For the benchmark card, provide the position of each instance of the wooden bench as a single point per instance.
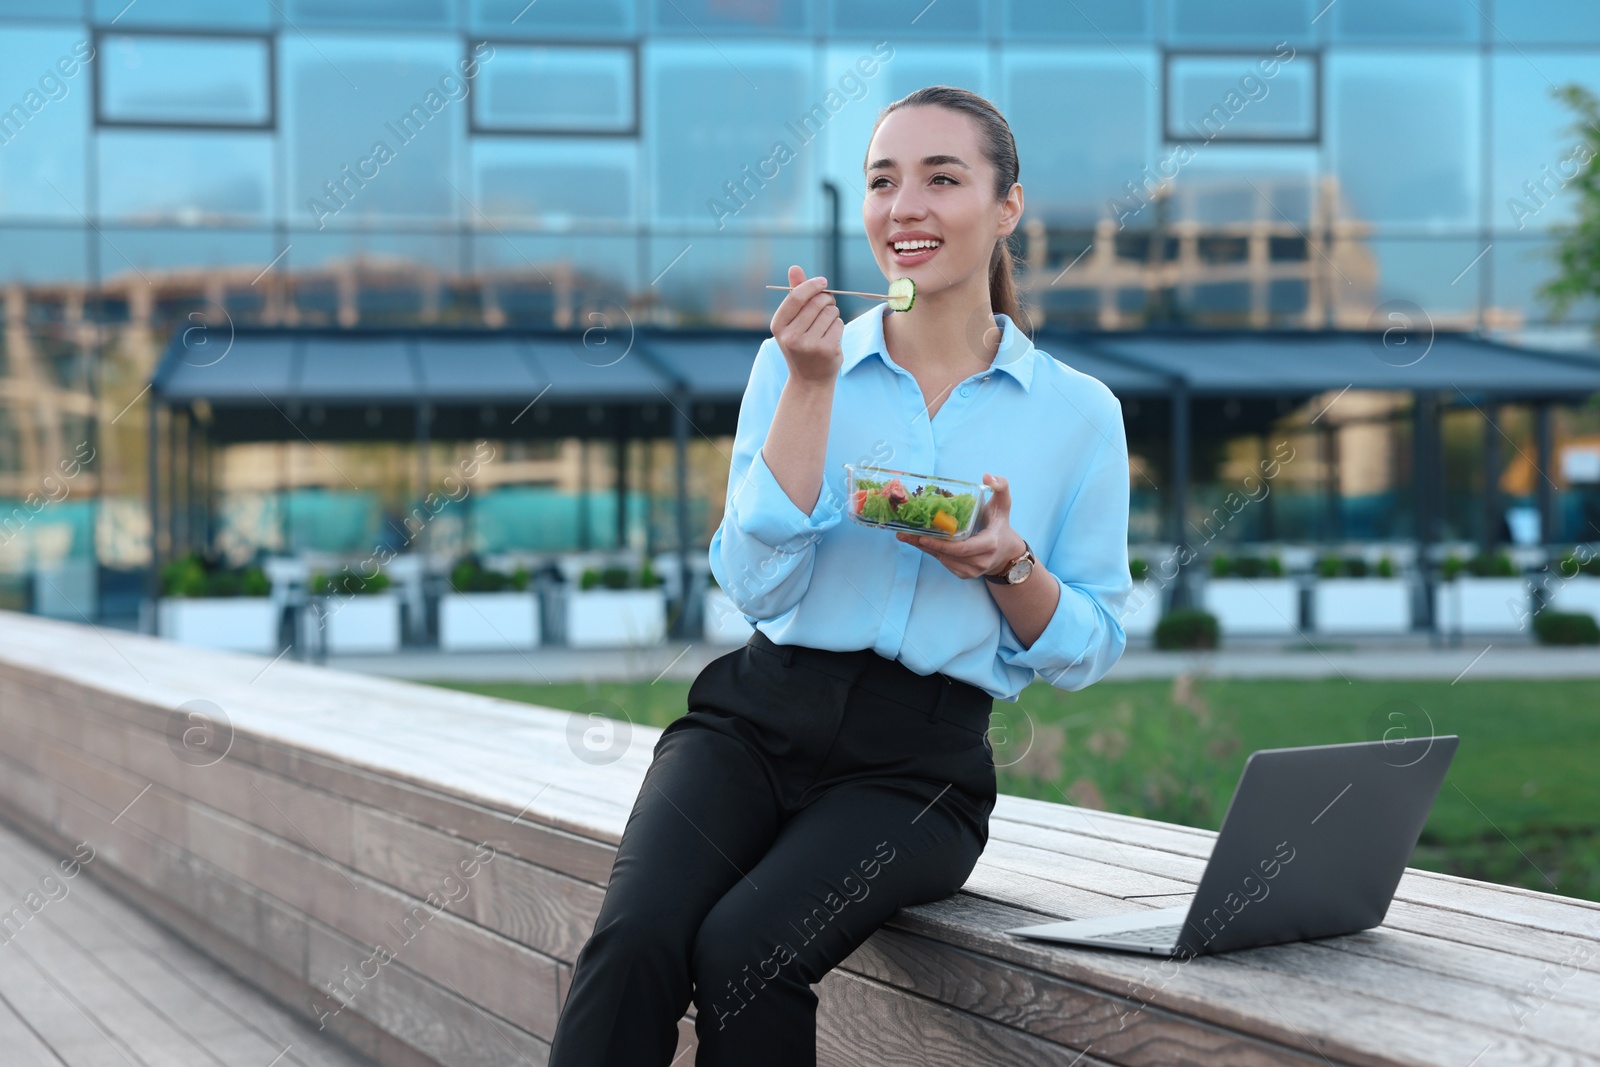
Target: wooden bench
(343, 801)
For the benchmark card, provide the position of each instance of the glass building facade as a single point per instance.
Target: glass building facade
(1290, 163)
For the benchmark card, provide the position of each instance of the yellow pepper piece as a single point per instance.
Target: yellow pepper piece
(943, 520)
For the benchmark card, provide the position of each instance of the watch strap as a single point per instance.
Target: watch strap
(1002, 578)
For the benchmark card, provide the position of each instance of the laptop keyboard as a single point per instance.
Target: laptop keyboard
(1154, 935)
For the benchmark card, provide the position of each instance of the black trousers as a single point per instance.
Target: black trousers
(804, 797)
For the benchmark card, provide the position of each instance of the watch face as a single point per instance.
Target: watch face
(1021, 570)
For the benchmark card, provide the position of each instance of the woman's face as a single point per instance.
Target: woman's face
(928, 183)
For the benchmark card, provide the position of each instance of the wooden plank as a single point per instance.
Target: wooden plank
(861, 1021)
(1120, 1028)
(184, 984)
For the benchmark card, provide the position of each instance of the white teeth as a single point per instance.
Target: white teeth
(911, 246)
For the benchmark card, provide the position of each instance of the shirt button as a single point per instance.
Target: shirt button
(966, 390)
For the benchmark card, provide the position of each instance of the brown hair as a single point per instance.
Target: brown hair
(1000, 149)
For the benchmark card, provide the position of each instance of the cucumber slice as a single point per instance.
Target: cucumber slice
(902, 294)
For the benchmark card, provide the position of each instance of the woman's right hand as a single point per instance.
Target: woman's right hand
(807, 328)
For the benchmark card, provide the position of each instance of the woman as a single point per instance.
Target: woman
(838, 767)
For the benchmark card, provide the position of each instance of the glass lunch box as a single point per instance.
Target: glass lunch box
(946, 508)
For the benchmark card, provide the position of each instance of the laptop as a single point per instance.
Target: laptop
(1313, 844)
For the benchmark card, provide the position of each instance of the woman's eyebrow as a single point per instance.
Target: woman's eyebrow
(927, 161)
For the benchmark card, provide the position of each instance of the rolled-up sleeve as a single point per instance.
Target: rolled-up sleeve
(1089, 556)
(763, 550)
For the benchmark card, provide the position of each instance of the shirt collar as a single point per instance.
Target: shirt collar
(1015, 356)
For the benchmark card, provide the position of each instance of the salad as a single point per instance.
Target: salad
(931, 508)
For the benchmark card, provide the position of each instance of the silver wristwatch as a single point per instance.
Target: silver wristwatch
(1017, 570)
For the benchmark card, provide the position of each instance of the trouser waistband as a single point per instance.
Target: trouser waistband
(940, 696)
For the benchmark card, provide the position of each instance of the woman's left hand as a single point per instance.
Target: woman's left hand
(994, 545)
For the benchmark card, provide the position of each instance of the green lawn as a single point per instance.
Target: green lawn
(1520, 806)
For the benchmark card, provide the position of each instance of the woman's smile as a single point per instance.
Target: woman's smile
(909, 248)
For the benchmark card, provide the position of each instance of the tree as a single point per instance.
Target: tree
(1578, 253)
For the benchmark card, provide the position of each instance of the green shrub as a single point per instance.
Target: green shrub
(1566, 628)
(1139, 569)
(1498, 565)
(193, 576)
(1355, 567)
(469, 575)
(1572, 565)
(1385, 567)
(1187, 628)
(1247, 567)
(619, 577)
(347, 583)
(1329, 567)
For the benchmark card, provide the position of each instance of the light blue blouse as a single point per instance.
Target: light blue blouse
(825, 581)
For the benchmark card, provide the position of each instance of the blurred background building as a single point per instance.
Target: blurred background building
(173, 168)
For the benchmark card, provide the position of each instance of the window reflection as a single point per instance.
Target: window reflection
(181, 13)
(1255, 21)
(505, 18)
(146, 78)
(191, 178)
(1089, 20)
(554, 182)
(730, 16)
(1272, 96)
(1534, 151)
(374, 128)
(537, 89)
(44, 122)
(1413, 164)
(755, 160)
(892, 17)
(1084, 124)
(1405, 20)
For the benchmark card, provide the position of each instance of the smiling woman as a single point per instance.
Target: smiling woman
(855, 721)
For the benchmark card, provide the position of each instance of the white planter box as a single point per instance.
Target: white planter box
(1143, 609)
(609, 618)
(236, 623)
(488, 621)
(1254, 605)
(364, 622)
(725, 624)
(1481, 605)
(1580, 593)
(1361, 605)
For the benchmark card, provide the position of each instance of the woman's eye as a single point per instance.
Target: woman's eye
(946, 177)
(873, 184)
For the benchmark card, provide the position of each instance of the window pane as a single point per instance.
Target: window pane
(362, 13)
(374, 129)
(723, 276)
(1440, 277)
(944, 18)
(44, 91)
(1258, 21)
(596, 271)
(724, 164)
(49, 9)
(1405, 20)
(190, 178)
(1076, 158)
(730, 16)
(530, 88)
(1546, 21)
(43, 254)
(1520, 268)
(1405, 137)
(860, 74)
(1242, 97)
(184, 13)
(1092, 20)
(1535, 151)
(555, 183)
(155, 251)
(220, 80)
(508, 18)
